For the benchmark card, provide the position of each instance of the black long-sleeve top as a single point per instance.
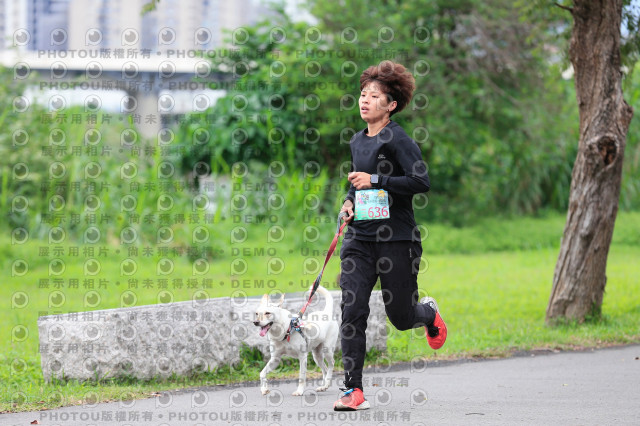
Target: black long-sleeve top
(396, 159)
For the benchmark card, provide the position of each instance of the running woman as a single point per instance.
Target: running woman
(383, 239)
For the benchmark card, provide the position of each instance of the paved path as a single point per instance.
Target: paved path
(599, 387)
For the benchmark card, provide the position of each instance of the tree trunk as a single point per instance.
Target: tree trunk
(580, 275)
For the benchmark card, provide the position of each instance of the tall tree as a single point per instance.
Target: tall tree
(580, 275)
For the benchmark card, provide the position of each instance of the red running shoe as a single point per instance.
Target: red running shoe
(436, 333)
(351, 400)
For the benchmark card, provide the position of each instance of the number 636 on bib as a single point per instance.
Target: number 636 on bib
(371, 204)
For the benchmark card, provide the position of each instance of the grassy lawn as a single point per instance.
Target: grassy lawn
(495, 303)
(492, 282)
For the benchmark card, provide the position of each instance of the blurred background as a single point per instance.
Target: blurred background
(251, 83)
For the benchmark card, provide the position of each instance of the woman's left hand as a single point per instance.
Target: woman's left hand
(360, 180)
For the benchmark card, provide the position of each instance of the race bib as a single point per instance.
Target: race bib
(372, 204)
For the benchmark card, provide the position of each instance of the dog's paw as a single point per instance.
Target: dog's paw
(322, 388)
(297, 393)
(264, 391)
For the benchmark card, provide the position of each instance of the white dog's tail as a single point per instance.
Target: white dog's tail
(328, 299)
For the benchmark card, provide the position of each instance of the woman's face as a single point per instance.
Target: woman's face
(374, 104)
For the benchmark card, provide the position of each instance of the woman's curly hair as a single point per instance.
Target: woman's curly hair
(394, 80)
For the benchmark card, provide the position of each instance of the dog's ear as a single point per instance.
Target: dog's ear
(265, 300)
(281, 301)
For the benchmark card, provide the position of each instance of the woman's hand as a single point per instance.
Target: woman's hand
(348, 208)
(360, 180)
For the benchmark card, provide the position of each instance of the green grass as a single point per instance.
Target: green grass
(495, 303)
(492, 281)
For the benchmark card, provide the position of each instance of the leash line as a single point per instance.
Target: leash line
(295, 321)
(332, 248)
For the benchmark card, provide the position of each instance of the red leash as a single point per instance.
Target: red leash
(295, 321)
(332, 248)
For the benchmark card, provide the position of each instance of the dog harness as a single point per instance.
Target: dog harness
(294, 325)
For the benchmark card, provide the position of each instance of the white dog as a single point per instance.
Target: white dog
(318, 333)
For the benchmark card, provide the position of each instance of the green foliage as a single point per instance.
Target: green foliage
(499, 129)
(283, 106)
(499, 140)
(630, 187)
(630, 43)
(150, 6)
(494, 120)
(68, 170)
(554, 25)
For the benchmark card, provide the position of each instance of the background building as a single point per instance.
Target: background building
(47, 23)
(13, 16)
(114, 24)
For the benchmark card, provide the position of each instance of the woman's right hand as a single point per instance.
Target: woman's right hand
(347, 208)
